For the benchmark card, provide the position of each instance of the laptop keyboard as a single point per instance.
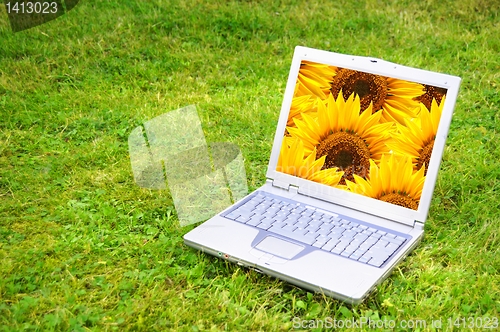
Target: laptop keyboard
(349, 238)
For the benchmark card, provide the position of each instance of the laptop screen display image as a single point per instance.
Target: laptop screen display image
(361, 132)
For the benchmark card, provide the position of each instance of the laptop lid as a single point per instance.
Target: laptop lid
(363, 133)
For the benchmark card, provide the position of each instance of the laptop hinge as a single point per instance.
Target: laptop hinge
(418, 225)
(280, 184)
(284, 185)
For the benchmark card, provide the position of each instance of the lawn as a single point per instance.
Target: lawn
(82, 247)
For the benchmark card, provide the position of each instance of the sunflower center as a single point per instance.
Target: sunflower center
(343, 159)
(425, 156)
(347, 152)
(362, 88)
(431, 92)
(370, 88)
(401, 200)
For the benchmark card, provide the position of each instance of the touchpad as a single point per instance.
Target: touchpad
(279, 247)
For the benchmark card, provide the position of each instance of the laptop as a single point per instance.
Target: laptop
(350, 178)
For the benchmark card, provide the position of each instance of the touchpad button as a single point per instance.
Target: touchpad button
(279, 247)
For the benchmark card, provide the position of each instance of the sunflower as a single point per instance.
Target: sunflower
(291, 161)
(431, 93)
(393, 181)
(302, 104)
(416, 138)
(314, 79)
(346, 138)
(395, 98)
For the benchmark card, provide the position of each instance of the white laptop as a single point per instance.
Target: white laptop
(350, 178)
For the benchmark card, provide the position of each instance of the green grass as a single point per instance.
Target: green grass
(83, 248)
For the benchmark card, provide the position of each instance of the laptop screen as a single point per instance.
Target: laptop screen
(368, 134)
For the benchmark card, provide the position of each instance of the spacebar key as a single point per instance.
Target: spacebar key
(292, 235)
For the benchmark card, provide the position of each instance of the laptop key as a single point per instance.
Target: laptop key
(304, 219)
(267, 200)
(337, 231)
(342, 245)
(316, 223)
(360, 237)
(382, 243)
(300, 230)
(269, 214)
(350, 249)
(318, 244)
(244, 209)
(294, 236)
(233, 215)
(357, 229)
(345, 239)
(389, 239)
(264, 226)
(349, 234)
(365, 246)
(376, 262)
(267, 220)
(323, 231)
(391, 248)
(398, 242)
(299, 209)
(279, 218)
(376, 248)
(326, 218)
(317, 215)
(310, 238)
(400, 238)
(308, 212)
(322, 239)
(312, 228)
(326, 227)
(381, 255)
(289, 228)
(279, 224)
(364, 259)
(371, 241)
(357, 254)
(259, 210)
(335, 236)
(336, 250)
(330, 245)
(243, 219)
(253, 222)
(280, 231)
